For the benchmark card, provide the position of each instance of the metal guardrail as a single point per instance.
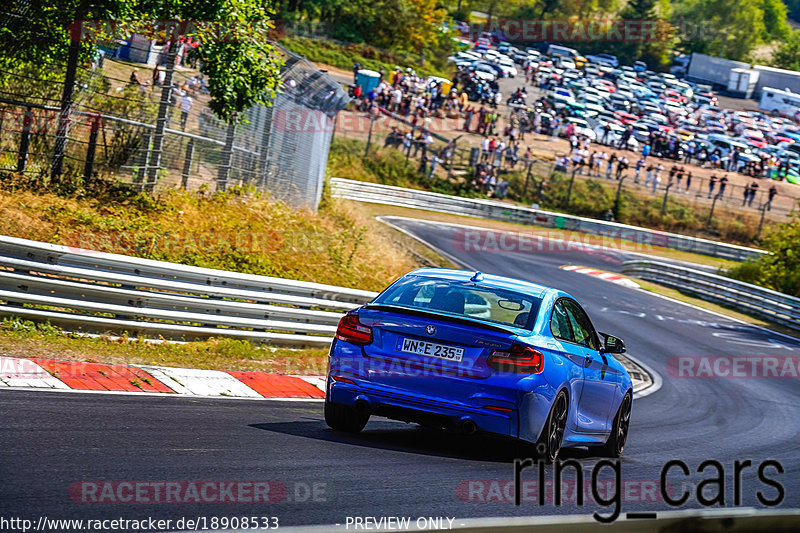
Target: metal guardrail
(496, 210)
(773, 305)
(99, 292)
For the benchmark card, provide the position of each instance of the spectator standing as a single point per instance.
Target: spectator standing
(577, 161)
(672, 173)
(746, 194)
(186, 106)
(602, 156)
(688, 181)
(689, 152)
(722, 184)
(468, 118)
(656, 180)
(772, 192)
(434, 161)
(622, 165)
(527, 159)
(711, 184)
(606, 130)
(610, 165)
(753, 191)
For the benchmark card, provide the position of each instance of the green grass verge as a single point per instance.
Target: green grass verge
(22, 338)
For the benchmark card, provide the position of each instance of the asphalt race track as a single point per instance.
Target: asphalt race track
(49, 441)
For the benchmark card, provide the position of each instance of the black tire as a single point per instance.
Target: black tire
(345, 418)
(549, 443)
(615, 444)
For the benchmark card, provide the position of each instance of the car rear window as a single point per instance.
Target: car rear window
(464, 299)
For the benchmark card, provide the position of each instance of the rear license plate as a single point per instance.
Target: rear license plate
(430, 349)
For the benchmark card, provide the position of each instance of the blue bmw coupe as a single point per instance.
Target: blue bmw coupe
(476, 352)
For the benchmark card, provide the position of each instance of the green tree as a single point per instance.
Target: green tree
(780, 269)
(776, 26)
(37, 32)
(243, 68)
(788, 53)
(729, 28)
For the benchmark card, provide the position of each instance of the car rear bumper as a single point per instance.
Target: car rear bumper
(406, 406)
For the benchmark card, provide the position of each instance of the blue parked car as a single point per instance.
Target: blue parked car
(476, 352)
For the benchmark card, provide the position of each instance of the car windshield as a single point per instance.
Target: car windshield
(465, 299)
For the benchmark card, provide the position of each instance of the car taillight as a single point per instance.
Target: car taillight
(518, 358)
(352, 331)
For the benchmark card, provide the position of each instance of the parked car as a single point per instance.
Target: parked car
(605, 59)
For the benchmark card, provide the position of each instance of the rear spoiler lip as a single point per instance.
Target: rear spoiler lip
(445, 318)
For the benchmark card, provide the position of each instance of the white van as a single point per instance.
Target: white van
(781, 102)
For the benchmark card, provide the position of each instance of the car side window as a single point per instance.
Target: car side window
(582, 328)
(559, 323)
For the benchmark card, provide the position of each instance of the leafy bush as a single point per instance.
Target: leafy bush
(780, 270)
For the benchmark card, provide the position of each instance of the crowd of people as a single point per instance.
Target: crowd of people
(415, 99)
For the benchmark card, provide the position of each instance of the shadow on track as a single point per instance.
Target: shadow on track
(392, 436)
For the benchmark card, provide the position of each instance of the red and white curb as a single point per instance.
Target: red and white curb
(48, 374)
(607, 276)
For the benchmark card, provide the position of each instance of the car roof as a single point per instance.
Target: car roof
(489, 280)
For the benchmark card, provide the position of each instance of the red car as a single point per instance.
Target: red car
(675, 96)
(625, 117)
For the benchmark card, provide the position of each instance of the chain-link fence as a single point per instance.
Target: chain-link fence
(280, 149)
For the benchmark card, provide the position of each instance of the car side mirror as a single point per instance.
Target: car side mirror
(612, 344)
